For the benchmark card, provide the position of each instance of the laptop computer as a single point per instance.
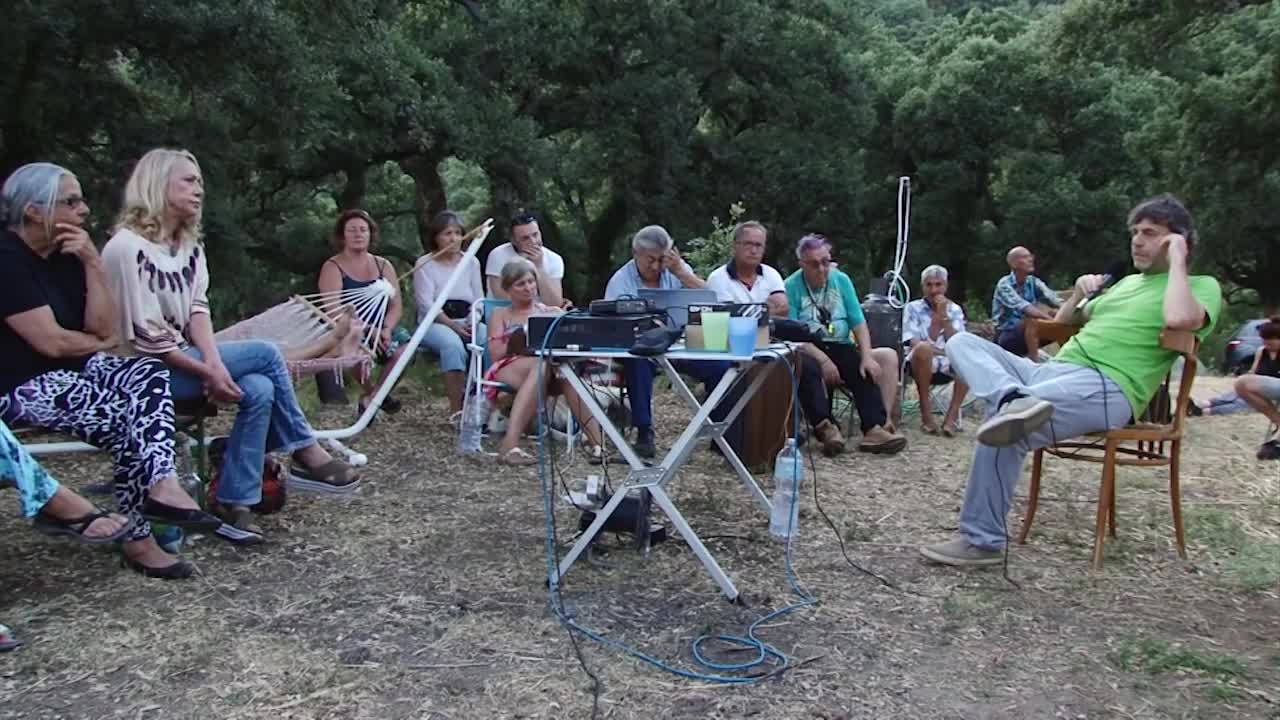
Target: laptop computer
(676, 302)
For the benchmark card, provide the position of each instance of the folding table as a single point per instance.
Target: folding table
(655, 478)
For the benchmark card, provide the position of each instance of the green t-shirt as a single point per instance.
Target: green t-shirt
(838, 298)
(1122, 336)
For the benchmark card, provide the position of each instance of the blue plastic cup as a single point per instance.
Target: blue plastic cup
(742, 336)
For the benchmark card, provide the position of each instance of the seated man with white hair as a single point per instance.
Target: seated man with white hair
(655, 263)
(927, 324)
(746, 279)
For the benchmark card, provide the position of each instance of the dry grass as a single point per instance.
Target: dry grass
(423, 597)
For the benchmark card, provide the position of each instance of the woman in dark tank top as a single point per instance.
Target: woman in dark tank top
(355, 267)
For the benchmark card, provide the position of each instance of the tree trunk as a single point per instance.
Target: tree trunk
(429, 195)
(603, 233)
(353, 190)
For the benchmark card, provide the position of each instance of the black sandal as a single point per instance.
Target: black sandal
(180, 570)
(196, 520)
(76, 527)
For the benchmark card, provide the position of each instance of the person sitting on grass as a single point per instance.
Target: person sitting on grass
(1260, 387)
(57, 317)
(1105, 375)
(1263, 379)
(156, 262)
(928, 323)
(507, 342)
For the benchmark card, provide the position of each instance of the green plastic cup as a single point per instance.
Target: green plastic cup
(715, 331)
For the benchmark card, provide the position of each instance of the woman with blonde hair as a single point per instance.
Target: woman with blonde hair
(157, 266)
(507, 341)
(58, 318)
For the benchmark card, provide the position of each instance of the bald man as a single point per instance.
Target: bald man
(1017, 295)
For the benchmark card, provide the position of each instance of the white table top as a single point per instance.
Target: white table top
(676, 352)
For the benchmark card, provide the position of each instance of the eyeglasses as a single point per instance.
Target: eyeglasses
(816, 263)
(72, 202)
(752, 245)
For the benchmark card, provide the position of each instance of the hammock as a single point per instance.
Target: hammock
(303, 327)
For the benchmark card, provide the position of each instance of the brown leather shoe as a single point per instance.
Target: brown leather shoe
(829, 435)
(881, 441)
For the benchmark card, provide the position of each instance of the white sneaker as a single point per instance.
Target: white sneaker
(1015, 420)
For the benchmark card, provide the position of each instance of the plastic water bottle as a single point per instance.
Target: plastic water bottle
(787, 470)
(474, 416)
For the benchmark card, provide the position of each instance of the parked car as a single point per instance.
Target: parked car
(1237, 358)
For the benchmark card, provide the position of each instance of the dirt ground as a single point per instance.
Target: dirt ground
(423, 597)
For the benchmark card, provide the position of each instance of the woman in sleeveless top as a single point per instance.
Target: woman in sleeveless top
(520, 282)
(354, 267)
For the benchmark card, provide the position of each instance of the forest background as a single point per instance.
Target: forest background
(1034, 123)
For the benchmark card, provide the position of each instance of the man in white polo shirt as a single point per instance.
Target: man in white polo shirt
(746, 279)
(526, 241)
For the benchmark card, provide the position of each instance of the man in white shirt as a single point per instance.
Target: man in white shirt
(526, 241)
(927, 324)
(746, 279)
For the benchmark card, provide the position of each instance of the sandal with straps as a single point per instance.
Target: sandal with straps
(517, 457)
(76, 528)
(334, 477)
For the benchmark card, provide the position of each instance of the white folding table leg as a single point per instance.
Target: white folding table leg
(683, 446)
(748, 480)
(602, 516)
(691, 538)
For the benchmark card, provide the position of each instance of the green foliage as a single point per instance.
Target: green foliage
(705, 254)
(1157, 656)
(1019, 122)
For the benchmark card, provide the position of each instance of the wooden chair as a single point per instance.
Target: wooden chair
(1154, 441)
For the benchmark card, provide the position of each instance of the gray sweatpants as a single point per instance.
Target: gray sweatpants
(1083, 399)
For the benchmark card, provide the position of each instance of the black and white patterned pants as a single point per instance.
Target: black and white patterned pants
(122, 405)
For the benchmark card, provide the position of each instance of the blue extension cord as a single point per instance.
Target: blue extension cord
(763, 649)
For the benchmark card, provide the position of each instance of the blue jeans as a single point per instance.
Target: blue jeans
(639, 376)
(269, 419)
(448, 345)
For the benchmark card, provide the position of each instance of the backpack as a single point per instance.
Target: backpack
(274, 476)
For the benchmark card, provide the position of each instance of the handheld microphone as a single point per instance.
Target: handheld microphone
(1112, 275)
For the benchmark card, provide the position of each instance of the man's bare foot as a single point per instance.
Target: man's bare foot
(67, 505)
(169, 492)
(146, 552)
(351, 344)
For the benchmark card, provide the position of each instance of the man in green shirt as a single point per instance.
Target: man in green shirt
(1104, 376)
(823, 297)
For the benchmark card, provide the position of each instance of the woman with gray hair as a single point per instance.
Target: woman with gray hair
(59, 317)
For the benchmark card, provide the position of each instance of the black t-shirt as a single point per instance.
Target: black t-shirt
(28, 281)
(1269, 366)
